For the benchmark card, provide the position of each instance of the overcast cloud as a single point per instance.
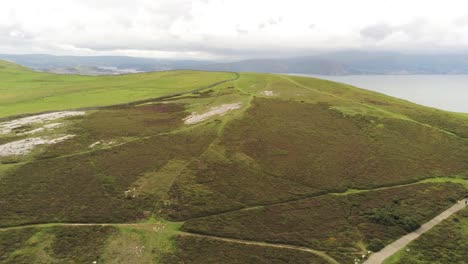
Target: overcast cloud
(230, 29)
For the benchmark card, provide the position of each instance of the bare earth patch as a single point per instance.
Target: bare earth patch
(25, 146)
(94, 144)
(40, 129)
(268, 93)
(8, 127)
(102, 143)
(218, 110)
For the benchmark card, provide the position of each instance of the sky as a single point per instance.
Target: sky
(230, 29)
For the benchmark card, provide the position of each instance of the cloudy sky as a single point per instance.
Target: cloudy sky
(230, 29)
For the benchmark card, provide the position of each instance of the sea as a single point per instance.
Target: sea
(447, 92)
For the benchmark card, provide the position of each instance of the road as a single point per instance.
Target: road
(399, 244)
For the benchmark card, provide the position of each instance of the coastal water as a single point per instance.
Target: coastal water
(448, 92)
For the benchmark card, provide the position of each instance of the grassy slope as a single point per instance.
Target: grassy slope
(276, 158)
(25, 91)
(54, 244)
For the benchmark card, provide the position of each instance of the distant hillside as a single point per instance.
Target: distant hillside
(337, 63)
(343, 63)
(398, 63)
(294, 65)
(58, 63)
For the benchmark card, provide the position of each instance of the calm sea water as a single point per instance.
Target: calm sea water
(448, 92)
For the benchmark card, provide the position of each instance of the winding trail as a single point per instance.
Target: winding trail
(315, 195)
(402, 242)
(44, 225)
(265, 244)
(318, 253)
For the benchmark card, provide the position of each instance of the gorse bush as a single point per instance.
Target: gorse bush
(409, 224)
(385, 216)
(375, 245)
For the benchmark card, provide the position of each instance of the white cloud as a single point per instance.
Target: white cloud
(229, 28)
(377, 32)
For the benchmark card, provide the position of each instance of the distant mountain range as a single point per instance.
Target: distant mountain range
(337, 63)
(98, 65)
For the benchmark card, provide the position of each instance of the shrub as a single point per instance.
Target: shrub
(408, 223)
(385, 216)
(375, 245)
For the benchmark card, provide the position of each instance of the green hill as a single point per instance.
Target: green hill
(26, 91)
(257, 169)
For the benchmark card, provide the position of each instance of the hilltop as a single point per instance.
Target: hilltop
(229, 168)
(25, 91)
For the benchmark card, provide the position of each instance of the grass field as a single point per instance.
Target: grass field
(24, 91)
(299, 161)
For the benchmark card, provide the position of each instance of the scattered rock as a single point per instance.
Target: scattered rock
(25, 146)
(130, 194)
(102, 143)
(40, 129)
(95, 144)
(218, 110)
(139, 250)
(268, 93)
(8, 127)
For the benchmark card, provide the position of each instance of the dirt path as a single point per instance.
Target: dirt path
(376, 258)
(2, 229)
(264, 244)
(399, 244)
(305, 197)
(230, 240)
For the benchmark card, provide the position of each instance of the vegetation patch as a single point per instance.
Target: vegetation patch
(82, 244)
(58, 244)
(334, 223)
(197, 250)
(273, 155)
(146, 243)
(13, 240)
(109, 127)
(211, 186)
(326, 150)
(91, 187)
(386, 216)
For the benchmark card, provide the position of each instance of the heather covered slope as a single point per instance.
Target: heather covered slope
(294, 169)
